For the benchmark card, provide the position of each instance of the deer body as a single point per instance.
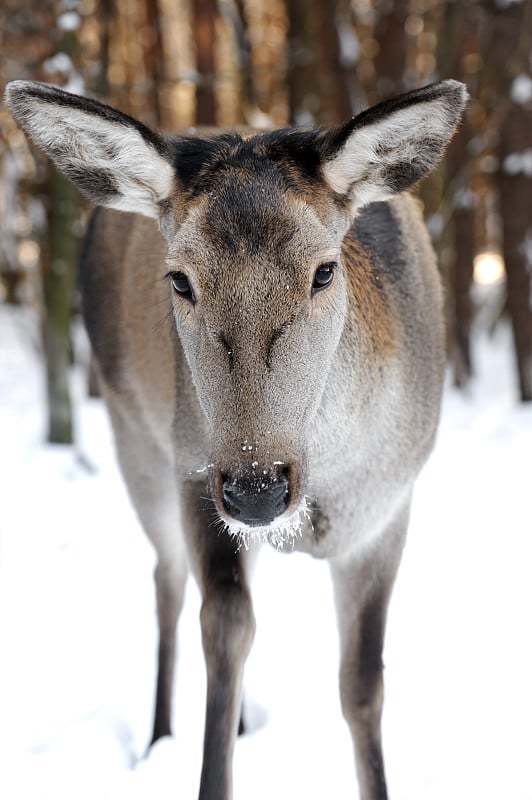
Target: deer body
(273, 338)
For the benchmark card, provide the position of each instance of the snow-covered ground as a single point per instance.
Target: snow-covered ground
(77, 637)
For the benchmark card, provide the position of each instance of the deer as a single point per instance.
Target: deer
(265, 311)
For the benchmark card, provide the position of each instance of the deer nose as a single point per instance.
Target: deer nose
(256, 502)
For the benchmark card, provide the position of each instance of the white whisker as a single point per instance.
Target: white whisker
(281, 533)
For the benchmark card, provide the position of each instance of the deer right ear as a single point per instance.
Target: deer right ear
(387, 149)
(111, 158)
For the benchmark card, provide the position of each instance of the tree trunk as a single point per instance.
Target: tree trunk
(303, 79)
(106, 10)
(460, 281)
(460, 30)
(515, 193)
(204, 28)
(154, 59)
(235, 13)
(390, 61)
(59, 268)
(335, 100)
(59, 261)
(509, 44)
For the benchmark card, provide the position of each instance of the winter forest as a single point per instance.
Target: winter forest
(77, 643)
(251, 62)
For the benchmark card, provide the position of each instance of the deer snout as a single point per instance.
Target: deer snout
(258, 501)
(256, 497)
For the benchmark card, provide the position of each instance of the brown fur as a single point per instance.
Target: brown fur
(371, 304)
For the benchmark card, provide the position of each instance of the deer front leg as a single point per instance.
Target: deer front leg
(228, 627)
(170, 585)
(152, 489)
(362, 592)
(361, 694)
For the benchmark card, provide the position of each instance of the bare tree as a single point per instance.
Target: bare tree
(391, 58)
(204, 26)
(334, 68)
(508, 91)
(458, 39)
(234, 12)
(302, 79)
(58, 261)
(303, 61)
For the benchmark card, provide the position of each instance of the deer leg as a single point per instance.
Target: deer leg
(361, 692)
(159, 518)
(362, 592)
(227, 627)
(241, 723)
(149, 477)
(170, 584)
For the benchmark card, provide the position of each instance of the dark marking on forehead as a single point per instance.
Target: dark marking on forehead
(249, 186)
(247, 216)
(292, 155)
(195, 157)
(292, 147)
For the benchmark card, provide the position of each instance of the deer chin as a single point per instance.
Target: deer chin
(282, 533)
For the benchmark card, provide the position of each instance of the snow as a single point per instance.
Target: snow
(506, 3)
(519, 162)
(77, 636)
(349, 43)
(60, 62)
(521, 91)
(69, 21)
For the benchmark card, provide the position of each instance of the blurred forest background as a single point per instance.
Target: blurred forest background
(177, 63)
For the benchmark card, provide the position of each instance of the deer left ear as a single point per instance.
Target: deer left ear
(114, 160)
(387, 149)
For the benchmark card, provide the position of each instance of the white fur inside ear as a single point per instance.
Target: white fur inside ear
(84, 143)
(405, 136)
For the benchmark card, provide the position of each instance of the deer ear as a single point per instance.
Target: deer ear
(113, 160)
(388, 148)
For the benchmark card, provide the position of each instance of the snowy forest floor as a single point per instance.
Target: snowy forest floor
(77, 616)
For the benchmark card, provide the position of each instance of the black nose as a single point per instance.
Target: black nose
(256, 502)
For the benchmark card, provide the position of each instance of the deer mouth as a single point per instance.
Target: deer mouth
(282, 533)
(260, 504)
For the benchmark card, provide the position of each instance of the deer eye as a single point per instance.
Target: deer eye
(181, 285)
(323, 276)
